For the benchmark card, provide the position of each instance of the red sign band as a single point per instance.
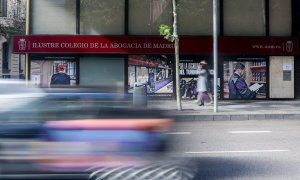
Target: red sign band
(154, 45)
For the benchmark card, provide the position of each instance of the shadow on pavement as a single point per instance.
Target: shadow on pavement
(237, 168)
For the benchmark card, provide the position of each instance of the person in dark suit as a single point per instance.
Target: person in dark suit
(60, 78)
(238, 88)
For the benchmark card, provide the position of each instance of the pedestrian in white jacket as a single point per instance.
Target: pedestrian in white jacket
(202, 83)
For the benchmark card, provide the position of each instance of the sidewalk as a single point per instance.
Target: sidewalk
(231, 110)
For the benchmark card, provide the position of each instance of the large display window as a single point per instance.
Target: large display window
(189, 71)
(156, 71)
(53, 71)
(244, 17)
(245, 78)
(145, 17)
(102, 71)
(280, 17)
(200, 10)
(110, 17)
(53, 17)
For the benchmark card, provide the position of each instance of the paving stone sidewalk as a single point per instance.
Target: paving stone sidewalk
(231, 110)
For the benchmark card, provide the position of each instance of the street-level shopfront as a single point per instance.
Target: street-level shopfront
(121, 61)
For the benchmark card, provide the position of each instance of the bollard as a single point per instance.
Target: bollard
(140, 95)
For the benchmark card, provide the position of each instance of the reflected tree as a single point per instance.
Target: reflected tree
(14, 23)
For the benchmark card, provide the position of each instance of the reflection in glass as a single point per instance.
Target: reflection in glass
(200, 11)
(145, 16)
(53, 17)
(244, 18)
(105, 17)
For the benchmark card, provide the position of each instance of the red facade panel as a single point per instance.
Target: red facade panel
(154, 45)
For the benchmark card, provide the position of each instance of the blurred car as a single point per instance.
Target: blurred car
(24, 107)
(18, 112)
(15, 94)
(82, 133)
(117, 138)
(110, 140)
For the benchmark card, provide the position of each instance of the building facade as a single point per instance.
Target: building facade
(117, 43)
(12, 21)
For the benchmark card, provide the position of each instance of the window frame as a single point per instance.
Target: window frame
(3, 8)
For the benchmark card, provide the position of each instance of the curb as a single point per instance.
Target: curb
(226, 117)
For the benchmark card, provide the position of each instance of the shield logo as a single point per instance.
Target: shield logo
(22, 44)
(289, 46)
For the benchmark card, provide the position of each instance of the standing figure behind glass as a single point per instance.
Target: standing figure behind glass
(60, 78)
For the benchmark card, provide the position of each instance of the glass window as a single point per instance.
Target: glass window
(53, 73)
(153, 70)
(145, 16)
(3, 7)
(244, 18)
(200, 12)
(105, 17)
(5, 56)
(53, 17)
(251, 73)
(17, 13)
(105, 71)
(280, 18)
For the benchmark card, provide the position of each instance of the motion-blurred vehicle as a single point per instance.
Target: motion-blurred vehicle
(23, 103)
(18, 112)
(84, 134)
(15, 94)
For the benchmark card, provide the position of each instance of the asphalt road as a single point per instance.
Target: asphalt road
(226, 150)
(240, 149)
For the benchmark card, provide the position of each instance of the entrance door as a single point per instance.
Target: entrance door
(282, 77)
(297, 77)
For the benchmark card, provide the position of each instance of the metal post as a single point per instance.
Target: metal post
(27, 33)
(215, 53)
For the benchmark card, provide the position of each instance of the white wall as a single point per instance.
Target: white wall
(280, 88)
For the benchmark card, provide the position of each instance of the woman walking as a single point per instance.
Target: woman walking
(202, 84)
